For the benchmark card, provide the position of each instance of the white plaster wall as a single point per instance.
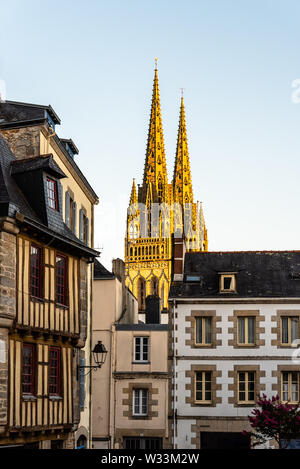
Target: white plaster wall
(243, 356)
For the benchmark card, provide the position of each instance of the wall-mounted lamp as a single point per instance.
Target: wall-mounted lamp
(99, 353)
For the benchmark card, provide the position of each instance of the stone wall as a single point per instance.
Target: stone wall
(7, 306)
(25, 142)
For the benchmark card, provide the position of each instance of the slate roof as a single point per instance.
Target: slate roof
(258, 274)
(13, 200)
(15, 114)
(44, 162)
(11, 197)
(100, 272)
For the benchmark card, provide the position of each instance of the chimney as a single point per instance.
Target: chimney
(179, 246)
(118, 268)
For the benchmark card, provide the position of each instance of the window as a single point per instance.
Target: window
(146, 443)
(246, 387)
(36, 271)
(83, 226)
(61, 280)
(203, 387)
(246, 330)
(141, 349)
(142, 293)
(289, 329)
(203, 330)
(154, 285)
(52, 193)
(290, 386)
(28, 369)
(70, 211)
(54, 371)
(227, 283)
(140, 402)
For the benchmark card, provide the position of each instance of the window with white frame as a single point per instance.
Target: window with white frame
(141, 349)
(140, 402)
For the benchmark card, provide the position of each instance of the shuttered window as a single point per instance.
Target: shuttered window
(70, 212)
(84, 234)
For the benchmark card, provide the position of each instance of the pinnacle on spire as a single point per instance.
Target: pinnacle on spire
(133, 196)
(203, 230)
(182, 181)
(155, 170)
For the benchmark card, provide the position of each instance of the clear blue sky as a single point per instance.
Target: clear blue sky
(93, 62)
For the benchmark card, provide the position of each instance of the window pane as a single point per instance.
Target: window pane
(251, 329)
(284, 333)
(145, 349)
(208, 330)
(54, 371)
(241, 327)
(227, 283)
(251, 396)
(137, 348)
(294, 328)
(199, 330)
(242, 396)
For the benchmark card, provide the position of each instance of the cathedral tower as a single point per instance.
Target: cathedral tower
(158, 211)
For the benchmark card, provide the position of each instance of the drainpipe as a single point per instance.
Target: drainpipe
(174, 377)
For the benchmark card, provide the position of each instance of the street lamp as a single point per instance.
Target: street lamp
(99, 353)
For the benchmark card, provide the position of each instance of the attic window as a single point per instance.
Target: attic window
(227, 283)
(52, 193)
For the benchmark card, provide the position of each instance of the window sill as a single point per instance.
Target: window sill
(140, 417)
(60, 305)
(204, 345)
(37, 299)
(140, 363)
(28, 397)
(246, 404)
(55, 398)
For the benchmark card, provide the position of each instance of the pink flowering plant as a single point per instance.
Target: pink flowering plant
(274, 420)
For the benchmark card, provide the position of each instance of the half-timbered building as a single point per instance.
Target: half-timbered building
(46, 258)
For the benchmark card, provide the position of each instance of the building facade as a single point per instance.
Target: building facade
(234, 333)
(130, 392)
(46, 275)
(159, 212)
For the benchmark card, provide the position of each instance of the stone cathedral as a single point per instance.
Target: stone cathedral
(158, 212)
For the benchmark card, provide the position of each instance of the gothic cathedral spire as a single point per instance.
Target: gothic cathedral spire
(182, 180)
(155, 182)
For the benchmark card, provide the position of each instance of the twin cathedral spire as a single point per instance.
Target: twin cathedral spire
(159, 212)
(155, 187)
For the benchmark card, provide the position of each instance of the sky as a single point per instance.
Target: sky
(238, 62)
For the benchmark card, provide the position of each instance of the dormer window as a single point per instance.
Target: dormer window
(52, 193)
(227, 283)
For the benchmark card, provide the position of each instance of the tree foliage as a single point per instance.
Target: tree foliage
(274, 420)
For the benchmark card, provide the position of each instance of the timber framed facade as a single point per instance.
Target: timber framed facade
(45, 287)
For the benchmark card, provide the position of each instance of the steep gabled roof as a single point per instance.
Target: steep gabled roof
(100, 272)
